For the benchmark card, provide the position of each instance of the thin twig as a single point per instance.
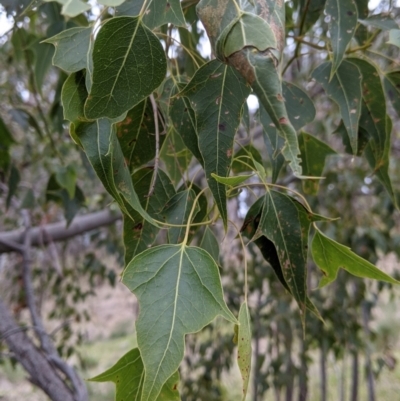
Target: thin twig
(157, 157)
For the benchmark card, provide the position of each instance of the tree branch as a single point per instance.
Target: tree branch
(12, 241)
(32, 359)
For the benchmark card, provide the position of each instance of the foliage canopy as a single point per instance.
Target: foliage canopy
(154, 116)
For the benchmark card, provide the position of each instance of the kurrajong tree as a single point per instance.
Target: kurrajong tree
(170, 136)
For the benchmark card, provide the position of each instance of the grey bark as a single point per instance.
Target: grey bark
(42, 372)
(12, 241)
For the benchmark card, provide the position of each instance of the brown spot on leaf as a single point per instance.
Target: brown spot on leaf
(138, 227)
(283, 121)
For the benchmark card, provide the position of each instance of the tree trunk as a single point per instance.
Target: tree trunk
(370, 373)
(354, 375)
(342, 383)
(323, 370)
(303, 376)
(42, 373)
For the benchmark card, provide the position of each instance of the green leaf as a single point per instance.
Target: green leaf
(156, 12)
(362, 141)
(281, 223)
(391, 83)
(250, 229)
(330, 256)
(128, 374)
(268, 87)
(244, 346)
(13, 181)
(123, 80)
(138, 234)
(249, 30)
(28, 201)
(210, 243)
(232, 181)
(273, 141)
(299, 106)
(245, 154)
(383, 22)
(71, 48)
(313, 155)
(344, 88)
(184, 120)
(179, 292)
(394, 37)
(57, 193)
(72, 8)
(26, 120)
(136, 134)
(43, 54)
(105, 155)
(376, 122)
(175, 155)
(73, 97)
(343, 20)
(6, 140)
(177, 211)
(361, 34)
(217, 93)
(111, 3)
(301, 111)
(310, 11)
(66, 178)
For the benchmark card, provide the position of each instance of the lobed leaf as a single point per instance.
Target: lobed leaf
(179, 292)
(343, 20)
(71, 48)
(251, 229)
(217, 93)
(128, 374)
(344, 88)
(375, 121)
(122, 80)
(330, 256)
(281, 224)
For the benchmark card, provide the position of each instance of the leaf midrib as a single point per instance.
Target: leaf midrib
(181, 250)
